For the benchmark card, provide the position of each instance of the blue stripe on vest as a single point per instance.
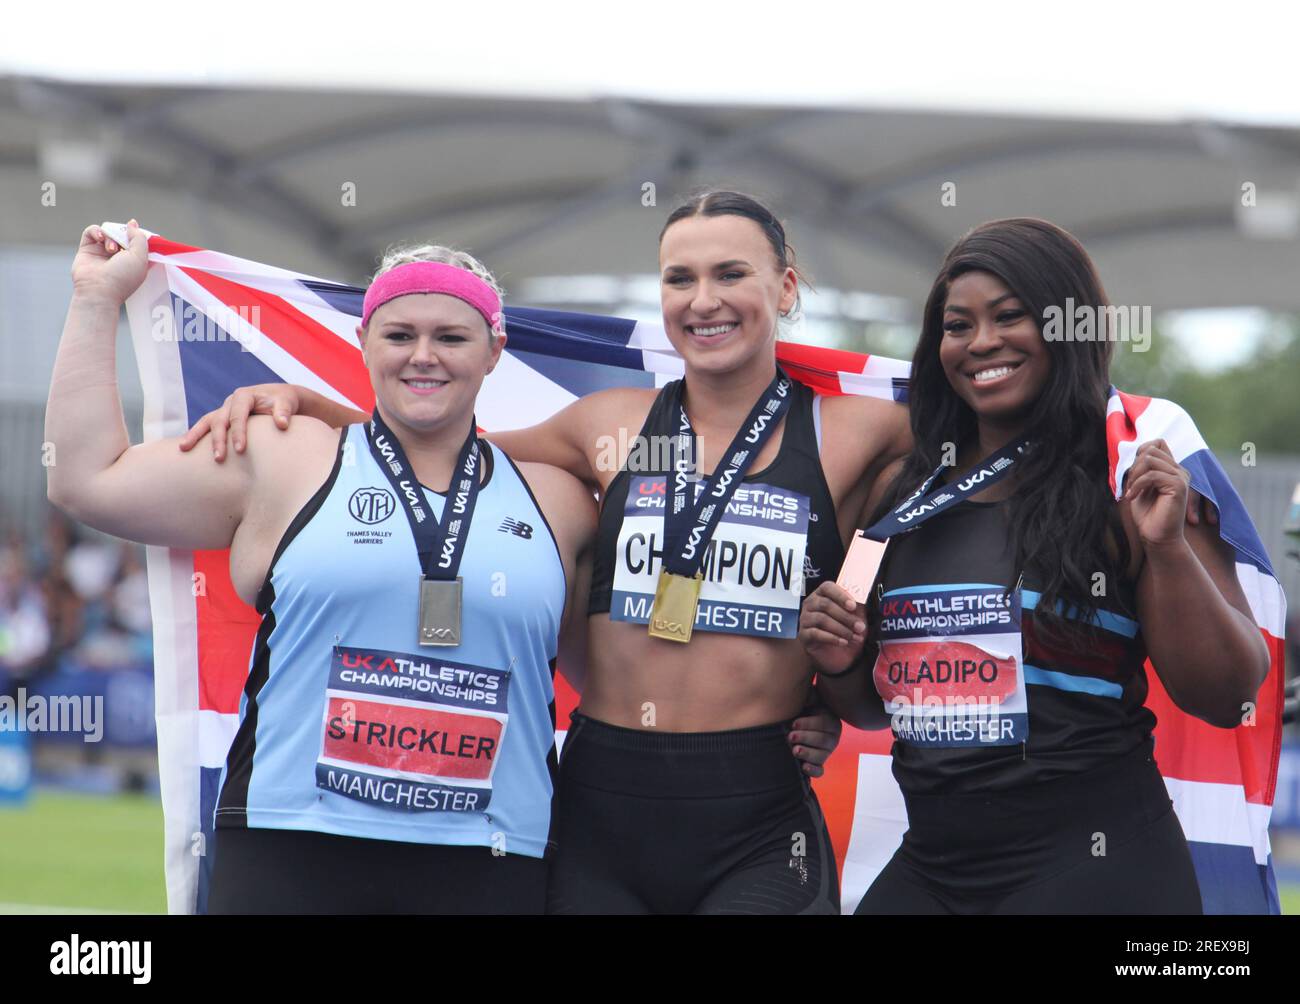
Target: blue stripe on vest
(1104, 618)
(1068, 681)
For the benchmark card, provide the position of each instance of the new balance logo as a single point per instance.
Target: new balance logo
(511, 525)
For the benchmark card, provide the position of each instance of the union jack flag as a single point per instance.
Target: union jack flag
(205, 323)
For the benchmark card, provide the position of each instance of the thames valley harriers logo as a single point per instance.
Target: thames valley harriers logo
(371, 505)
(519, 529)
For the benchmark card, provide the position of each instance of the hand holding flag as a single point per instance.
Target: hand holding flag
(1157, 488)
(1222, 781)
(100, 272)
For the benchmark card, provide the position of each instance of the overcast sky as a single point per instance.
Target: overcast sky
(1112, 59)
(1101, 59)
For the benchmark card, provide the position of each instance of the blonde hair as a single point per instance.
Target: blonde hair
(404, 254)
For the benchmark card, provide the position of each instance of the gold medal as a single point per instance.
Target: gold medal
(677, 598)
(440, 611)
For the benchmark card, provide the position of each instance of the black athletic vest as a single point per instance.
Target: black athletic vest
(796, 471)
(1086, 707)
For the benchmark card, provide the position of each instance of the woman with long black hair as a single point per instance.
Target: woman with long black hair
(1016, 603)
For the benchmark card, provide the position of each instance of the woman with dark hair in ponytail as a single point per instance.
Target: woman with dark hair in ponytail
(678, 791)
(1015, 604)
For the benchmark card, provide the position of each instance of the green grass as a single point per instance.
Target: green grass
(83, 852)
(64, 852)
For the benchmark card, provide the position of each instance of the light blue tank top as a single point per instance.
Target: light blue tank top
(349, 726)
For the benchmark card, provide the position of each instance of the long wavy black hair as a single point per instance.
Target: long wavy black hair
(1064, 522)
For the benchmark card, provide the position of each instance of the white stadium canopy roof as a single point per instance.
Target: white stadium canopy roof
(532, 149)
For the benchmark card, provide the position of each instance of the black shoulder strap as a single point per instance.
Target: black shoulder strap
(799, 426)
(658, 420)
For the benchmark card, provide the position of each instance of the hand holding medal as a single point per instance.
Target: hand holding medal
(833, 628)
(832, 624)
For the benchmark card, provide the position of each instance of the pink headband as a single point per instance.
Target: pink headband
(433, 277)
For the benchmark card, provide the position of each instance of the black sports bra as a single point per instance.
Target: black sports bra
(779, 513)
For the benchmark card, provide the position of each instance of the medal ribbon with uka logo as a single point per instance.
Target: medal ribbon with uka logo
(689, 524)
(910, 513)
(441, 544)
(867, 549)
(950, 667)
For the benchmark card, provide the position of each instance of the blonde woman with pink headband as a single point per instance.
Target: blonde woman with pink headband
(395, 749)
(678, 791)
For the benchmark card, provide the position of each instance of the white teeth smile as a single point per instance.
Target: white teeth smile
(985, 375)
(426, 384)
(715, 330)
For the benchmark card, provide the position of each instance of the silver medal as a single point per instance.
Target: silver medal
(440, 611)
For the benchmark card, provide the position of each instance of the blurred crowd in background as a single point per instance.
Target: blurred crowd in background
(70, 601)
(75, 627)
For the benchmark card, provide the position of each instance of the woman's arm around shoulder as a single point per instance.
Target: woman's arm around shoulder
(588, 438)
(860, 437)
(286, 467)
(228, 424)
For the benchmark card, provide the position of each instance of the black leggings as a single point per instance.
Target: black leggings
(1103, 842)
(305, 872)
(695, 822)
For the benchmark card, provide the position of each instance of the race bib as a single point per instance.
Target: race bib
(949, 669)
(412, 733)
(753, 567)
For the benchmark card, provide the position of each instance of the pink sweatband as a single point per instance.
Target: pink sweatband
(433, 277)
